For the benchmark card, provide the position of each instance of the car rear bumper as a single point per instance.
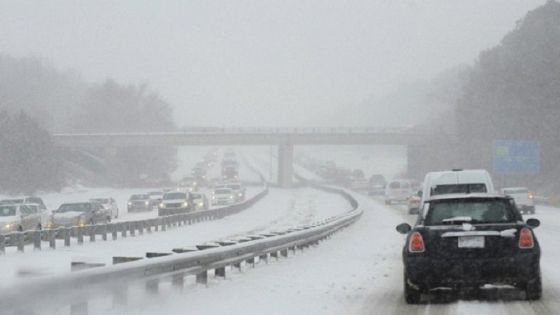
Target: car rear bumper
(426, 273)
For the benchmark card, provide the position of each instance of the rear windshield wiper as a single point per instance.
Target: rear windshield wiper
(455, 220)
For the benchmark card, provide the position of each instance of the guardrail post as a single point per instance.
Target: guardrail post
(20, 238)
(2, 245)
(124, 228)
(51, 236)
(251, 261)
(284, 252)
(36, 240)
(114, 231)
(149, 226)
(80, 235)
(164, 224)
(178, 280)
(91, 230)
(132, 228)
(157, 223)
(202, 277)
(81, 307)
(140, 225)
(152, 286)
(104, 232)
(220, 272)
(263, 257)
(66, 232)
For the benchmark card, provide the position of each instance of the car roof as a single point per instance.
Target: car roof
(508, 188)
(458, 176)
(466, 196)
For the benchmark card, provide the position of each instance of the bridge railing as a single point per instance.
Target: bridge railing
(250, 130)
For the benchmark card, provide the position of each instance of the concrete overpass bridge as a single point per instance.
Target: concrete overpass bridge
(284, 138)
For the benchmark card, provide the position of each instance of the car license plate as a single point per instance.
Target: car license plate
(471, 242)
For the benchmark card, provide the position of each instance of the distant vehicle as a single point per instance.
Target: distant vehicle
(199, 201)
(80, 214)
(155, 197)
(456, 181)
(523, 198)
(230, 172)
(377, 185)
(139, 202)
(413, 204)
(175, 202)
(466, 241)
(215, 182)
(223, 196)
(359, 184)
(199, 173)
(398, 191)
(21, 217)
(27, 200)
(109, 204)
(238, 191)
(190, 183)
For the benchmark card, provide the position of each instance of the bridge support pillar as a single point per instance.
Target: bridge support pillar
(285, 165)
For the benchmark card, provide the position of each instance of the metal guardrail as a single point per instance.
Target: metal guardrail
(113, 230)
(78, 288)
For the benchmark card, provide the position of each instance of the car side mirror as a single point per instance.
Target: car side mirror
(404, 228)
(534, 223)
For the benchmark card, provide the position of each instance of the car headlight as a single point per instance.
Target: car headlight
(147, 203)
(213, 197)
(240, 194)
(230, 197)
(200, 204)
(162, 205)
(185, 204)
(130, 203)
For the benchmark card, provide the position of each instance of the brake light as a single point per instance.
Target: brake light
(526, 238)
(416, 243)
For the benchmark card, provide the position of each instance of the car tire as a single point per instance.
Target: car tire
(20, 229)
(533, 289)
(411, 295)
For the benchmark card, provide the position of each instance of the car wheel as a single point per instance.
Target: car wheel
(411, 295)
(20, 229)
(533, 289)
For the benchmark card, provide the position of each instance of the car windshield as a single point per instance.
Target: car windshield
(175, 195)
(11, 201)
(222, 191)
(7, 211)
(139, 197)
(74, 207)
(234, 187)
(458, 189)
(516, 191)
(101, 200)
(453, 211)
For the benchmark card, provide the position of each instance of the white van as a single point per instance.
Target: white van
(399, 190)
(456, 182)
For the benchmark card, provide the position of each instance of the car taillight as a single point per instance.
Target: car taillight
(526, 238)
(416, 243)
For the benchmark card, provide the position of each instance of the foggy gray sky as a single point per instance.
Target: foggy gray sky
(258, 62)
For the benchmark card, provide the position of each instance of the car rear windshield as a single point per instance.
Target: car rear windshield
(516, 191)
(139, 197)
(7, 211)
(458, 189)
(78, 207)
(234, 187)
(11, 201)
(175, 195)
(222, 191)
(473, 210)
